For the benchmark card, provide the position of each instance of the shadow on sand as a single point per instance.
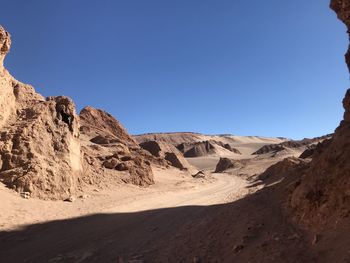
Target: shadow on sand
(252, 229)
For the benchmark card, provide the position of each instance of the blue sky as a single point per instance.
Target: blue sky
(271, 68)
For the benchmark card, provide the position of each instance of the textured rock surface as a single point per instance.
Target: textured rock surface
(225, 164)
(290, 166)
(203, 148)
(274, 148)
(46, 153)
(197, 149)
(323, 194)
(97, 122)
(110, 152)
(39, 146)
(168, 152)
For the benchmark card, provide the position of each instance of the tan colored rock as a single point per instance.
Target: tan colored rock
(39, 146)
(5, 45)
(117, 151)
(95, 122)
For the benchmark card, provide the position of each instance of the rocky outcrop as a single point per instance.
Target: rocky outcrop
(197, 149)
(102, 126)
(291, 144)
(288, 167)
(47, 151)
(168, 152)
(342, 9)
(225, 164)
(203, 148)
(323, 193)
(39, 145)
(270, 148)
(111, 152)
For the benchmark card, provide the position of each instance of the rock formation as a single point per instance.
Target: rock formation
(111, 152)
(287, 167)
(203, 148)
(225, 164)
(41, 138)
(323, 193)
(39, 146)
(292, 144)
(102, 126)
(197, 149)
(168, 152)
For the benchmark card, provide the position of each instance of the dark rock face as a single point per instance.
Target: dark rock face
(323, 193)
(225, 164)
(271, 148)
(274, 148)
(153, 147)
(342, 9)
(308, 153)
(167, 152)
(204, 148)
(196, 149)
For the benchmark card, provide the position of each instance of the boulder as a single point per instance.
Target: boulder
(225, 164)
(168, 152)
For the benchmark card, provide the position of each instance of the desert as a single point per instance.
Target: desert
(76, 186)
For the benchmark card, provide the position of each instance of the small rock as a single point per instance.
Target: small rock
(200, 174)
(122, 167)
(238, 248)
(84, 196)
(25, 195)
(111, 163)
(70, 199)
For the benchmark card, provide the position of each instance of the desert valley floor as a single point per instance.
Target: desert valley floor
(127, 223)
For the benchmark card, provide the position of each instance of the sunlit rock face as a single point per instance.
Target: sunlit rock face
(39, 145)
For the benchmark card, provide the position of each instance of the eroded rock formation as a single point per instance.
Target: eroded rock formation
(39, 145)
(111, 153)
(225, 164)
(323, 193)
(46, 154)
(168, 152)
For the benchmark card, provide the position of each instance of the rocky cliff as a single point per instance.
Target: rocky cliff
(39, 145)
(47, 153)
(323, 193)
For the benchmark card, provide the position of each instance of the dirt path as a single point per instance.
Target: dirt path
(129, 218)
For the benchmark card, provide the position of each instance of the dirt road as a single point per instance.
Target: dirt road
(117, 227)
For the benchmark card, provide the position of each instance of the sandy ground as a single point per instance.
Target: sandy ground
(179, 219)
(172, 189)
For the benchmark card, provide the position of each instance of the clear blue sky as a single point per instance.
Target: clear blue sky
(272, 68)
